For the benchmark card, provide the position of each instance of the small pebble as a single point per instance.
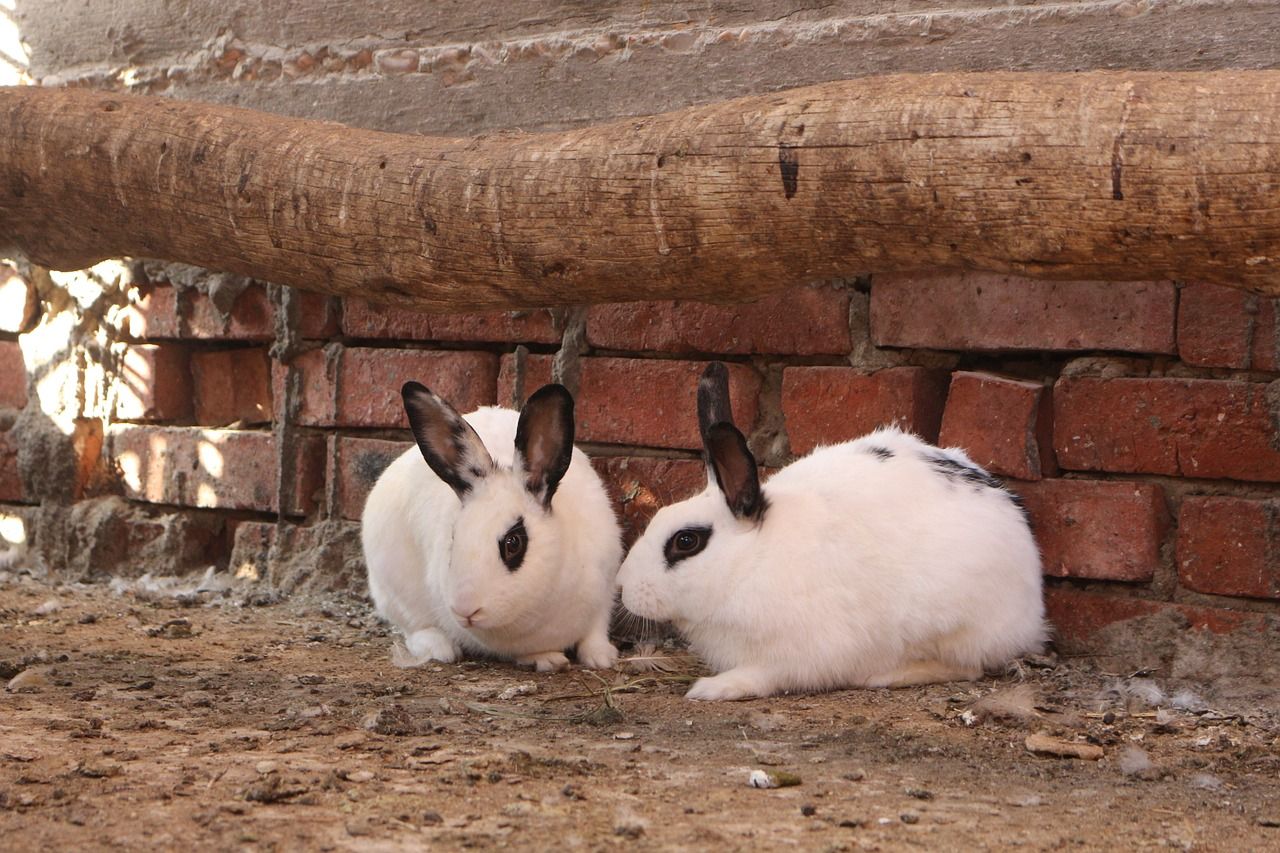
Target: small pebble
(808, 810)
(432, 819)
(265, 767)
(624, 736)
(51, 606)
(360, 776)
(910, 817)
(28, 681)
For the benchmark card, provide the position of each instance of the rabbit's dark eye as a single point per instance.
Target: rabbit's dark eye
(684, 543)
(512, 545)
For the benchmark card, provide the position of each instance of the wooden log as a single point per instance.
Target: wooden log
(1103, 175)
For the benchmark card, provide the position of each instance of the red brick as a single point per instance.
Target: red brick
(161, 312)
(363, 319)
(640, 486)
(981, 311)
(1077, 615)
(11, 488)
(13, 376)
(652, 403)
(355, 464)
(636, 401)
(1230, 546)
(537, 373)
(154, 383)
(1107, 530)
(1005, 425)
(799, 321)
(152, 314)
(361, 387)
(19, 303)
(1182, 427)
(218, 469)
(827, 405)
(1228, 327)
(232, 385)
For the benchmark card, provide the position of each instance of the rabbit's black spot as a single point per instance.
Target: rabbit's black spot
(958, 472)
(685, 543)
(513, 545)
(880, 453)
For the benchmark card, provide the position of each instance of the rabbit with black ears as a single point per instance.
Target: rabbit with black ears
(494, 535)
(879, 562)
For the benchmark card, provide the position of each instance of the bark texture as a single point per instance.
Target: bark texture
(1101, 175)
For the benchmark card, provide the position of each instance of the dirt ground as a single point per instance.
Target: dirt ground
(222, 720)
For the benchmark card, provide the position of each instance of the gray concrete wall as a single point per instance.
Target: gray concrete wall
(461, 67)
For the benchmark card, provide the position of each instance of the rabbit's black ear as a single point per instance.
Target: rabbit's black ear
(713, 398)
(735, 470)
(448, 443)
(544, 441)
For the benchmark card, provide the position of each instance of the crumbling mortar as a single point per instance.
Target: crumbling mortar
(566, 365)
(288, 341)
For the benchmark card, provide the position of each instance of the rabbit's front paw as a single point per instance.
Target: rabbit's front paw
(735, 684)
(544, 661)
(597, 653)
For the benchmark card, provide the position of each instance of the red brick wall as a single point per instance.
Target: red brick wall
(1140, 421)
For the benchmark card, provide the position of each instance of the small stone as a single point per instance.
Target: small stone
(88, 618)
(359, 828)
(360, 776)
(311, 679)
(910, 817)
(629, 827)
(808, 810)
(394, 721)
(854, 775)
(265, 767)
(1109, 718)
(48, 608)
(517, 690)
(624, 736)
(919, 793)
(28, 681)
(174, 629)
(852, 823)
(431, 818)
(571, 791)
(772, 779)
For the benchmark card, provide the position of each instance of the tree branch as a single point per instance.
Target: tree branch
(1103, 175)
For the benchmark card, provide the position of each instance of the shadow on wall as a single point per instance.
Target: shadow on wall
(57, 403)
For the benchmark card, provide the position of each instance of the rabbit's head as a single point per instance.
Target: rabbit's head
(506, 554)
(693, 554)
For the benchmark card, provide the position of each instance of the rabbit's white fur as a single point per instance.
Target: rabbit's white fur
(866, 569)
(429, 553)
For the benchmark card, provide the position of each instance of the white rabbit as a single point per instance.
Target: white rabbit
(494, 535)
(880, 562)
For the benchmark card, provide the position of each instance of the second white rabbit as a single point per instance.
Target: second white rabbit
(879, 562)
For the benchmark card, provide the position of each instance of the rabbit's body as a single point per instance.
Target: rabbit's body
(879, 562)
(421, 579)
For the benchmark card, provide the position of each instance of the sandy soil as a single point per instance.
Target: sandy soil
(225, 721)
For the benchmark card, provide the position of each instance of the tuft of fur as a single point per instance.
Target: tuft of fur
(432, 553)
(880, 562)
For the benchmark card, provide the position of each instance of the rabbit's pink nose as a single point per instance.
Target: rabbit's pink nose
(467, 619)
